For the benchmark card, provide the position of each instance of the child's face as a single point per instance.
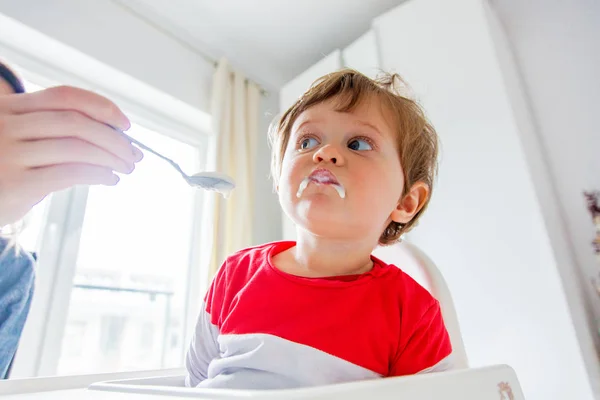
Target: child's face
(359, 148)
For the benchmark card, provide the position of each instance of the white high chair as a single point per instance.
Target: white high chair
(408, 253)
(489, 383)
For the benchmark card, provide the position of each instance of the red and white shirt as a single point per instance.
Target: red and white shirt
(261, 328)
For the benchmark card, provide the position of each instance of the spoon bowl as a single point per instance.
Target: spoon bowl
(216, 181)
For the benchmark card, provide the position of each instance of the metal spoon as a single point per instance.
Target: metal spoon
(215, 181)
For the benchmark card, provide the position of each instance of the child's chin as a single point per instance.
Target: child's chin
(319, 207)
(321, 200)
(319, 220)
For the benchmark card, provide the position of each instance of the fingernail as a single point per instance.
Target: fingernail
(126, 124)
(116, 179)
(138, 154)
(129, 168)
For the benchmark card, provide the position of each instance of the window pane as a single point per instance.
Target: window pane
(127, 303)
(32, 228)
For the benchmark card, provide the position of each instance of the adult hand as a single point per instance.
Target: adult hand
(57, 138)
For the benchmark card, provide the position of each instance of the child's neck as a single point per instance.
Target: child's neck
(320, 257)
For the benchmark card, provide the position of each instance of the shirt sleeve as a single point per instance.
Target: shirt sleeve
(428, 348)
(17, 275)
(204, 346)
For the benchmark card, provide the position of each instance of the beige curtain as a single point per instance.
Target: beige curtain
(235, 111)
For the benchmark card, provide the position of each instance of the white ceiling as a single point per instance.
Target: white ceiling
(270, 40)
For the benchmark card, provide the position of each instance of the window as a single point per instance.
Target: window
(117, 263)
(30, 231)
(132, 265)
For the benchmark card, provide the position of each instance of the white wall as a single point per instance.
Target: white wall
(115, 37)
(363, 55)
(556, 45)
(290, 92)
(268, 221)
(557, 48)
(485, 228)
(574, 279)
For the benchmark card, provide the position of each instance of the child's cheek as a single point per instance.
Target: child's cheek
(288, 177)
(290, 168)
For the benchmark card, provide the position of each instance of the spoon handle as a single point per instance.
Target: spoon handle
(143, 146)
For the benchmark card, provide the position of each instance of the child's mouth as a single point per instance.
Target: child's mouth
(322, 176)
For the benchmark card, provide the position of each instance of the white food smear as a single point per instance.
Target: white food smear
(338, 188)
(302, 186)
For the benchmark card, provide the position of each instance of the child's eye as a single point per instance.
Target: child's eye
(360, 145)
(308, 143)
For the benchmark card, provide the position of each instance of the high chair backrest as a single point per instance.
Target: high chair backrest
(417, 264)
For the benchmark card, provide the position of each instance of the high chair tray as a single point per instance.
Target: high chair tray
(489, 383)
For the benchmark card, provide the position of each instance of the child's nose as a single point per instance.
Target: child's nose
(328, 153)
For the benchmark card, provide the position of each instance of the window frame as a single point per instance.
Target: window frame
(45, 61)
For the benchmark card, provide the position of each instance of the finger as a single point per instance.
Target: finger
(65, 124)
(59, 98)
(40, 182)
(46, 152)
(138, 154)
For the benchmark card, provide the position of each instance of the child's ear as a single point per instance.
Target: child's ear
(411, 203)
